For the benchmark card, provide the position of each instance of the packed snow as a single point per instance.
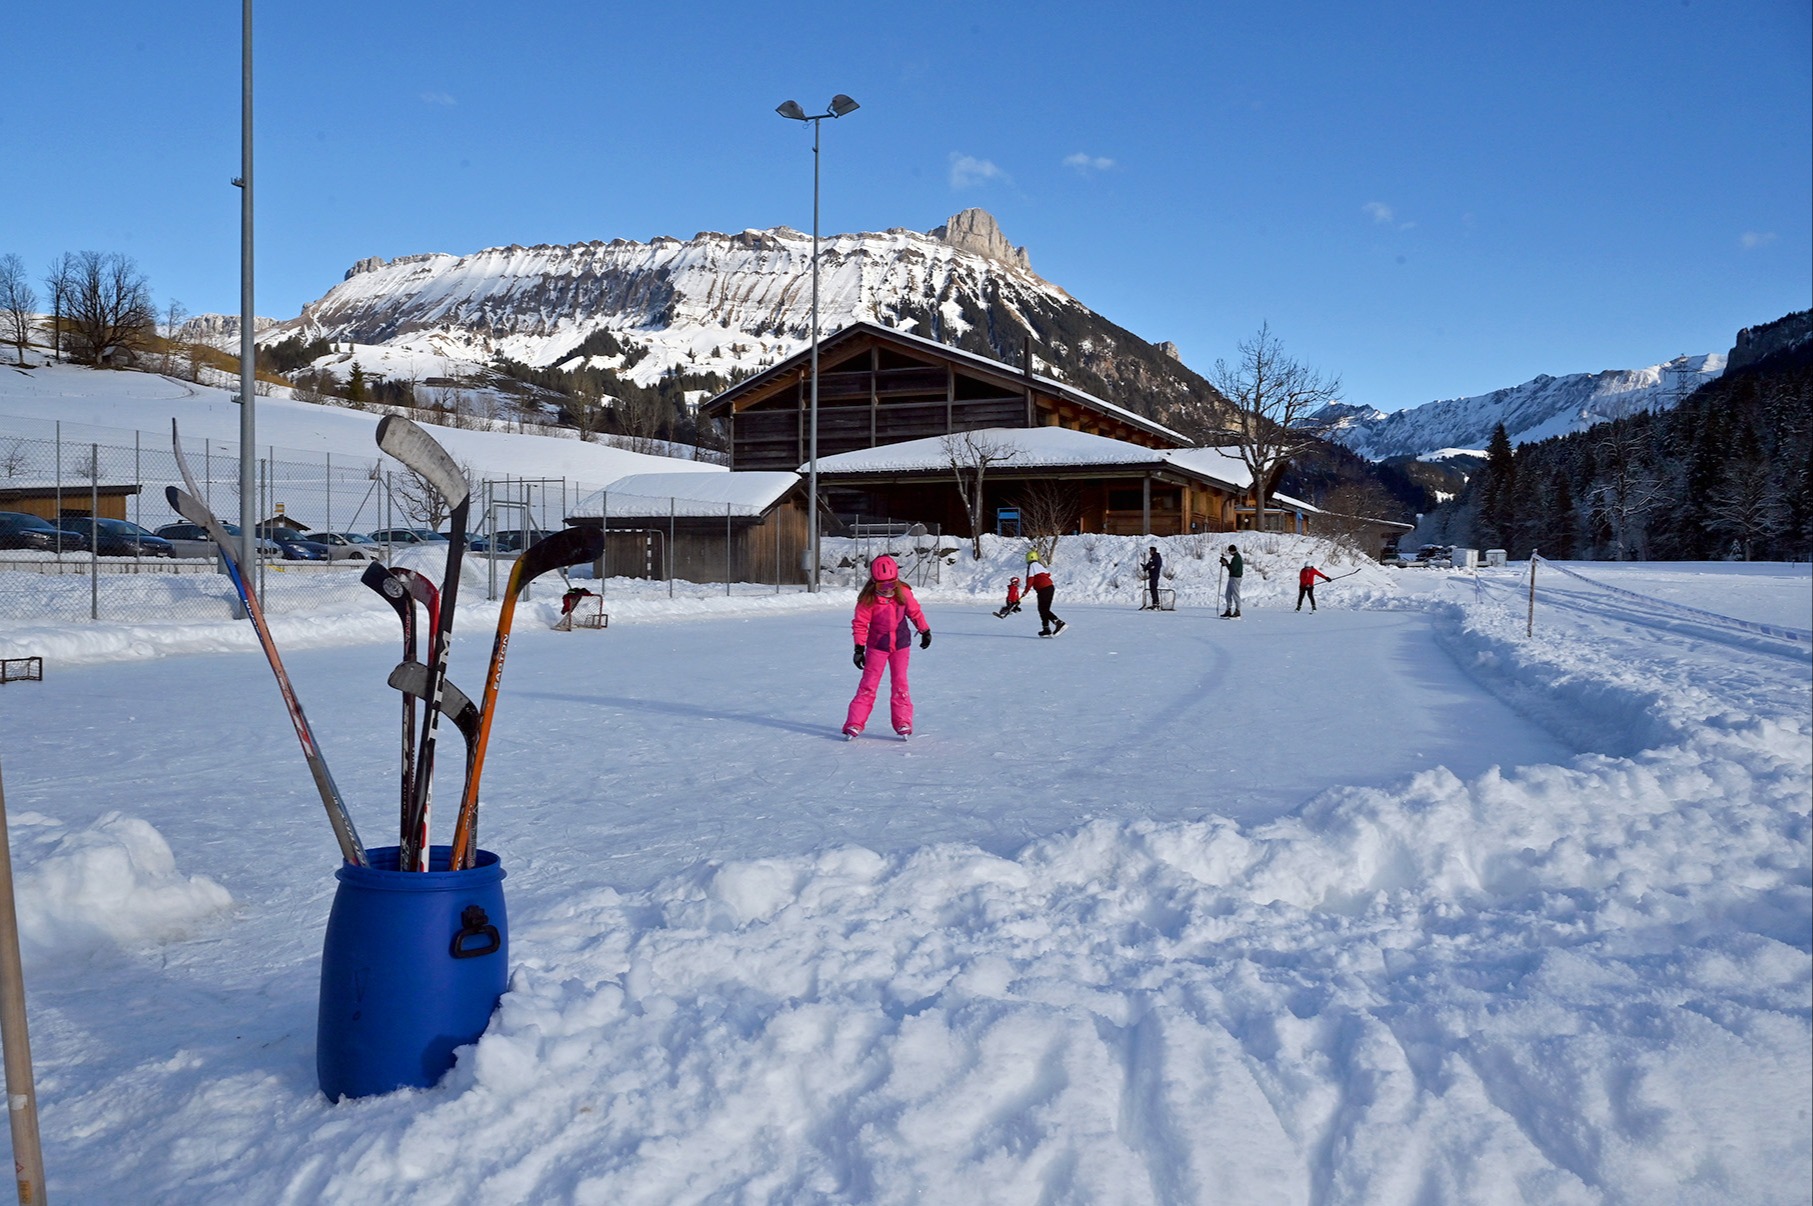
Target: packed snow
(1388, 902)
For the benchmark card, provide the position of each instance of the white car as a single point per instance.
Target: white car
(348, 546)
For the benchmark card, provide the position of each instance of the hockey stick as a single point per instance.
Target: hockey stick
(569, 547)
(411, 678)
(378, 577)
(196, 512)
(418, 450)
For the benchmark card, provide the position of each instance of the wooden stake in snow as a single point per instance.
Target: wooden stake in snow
(21, 1100)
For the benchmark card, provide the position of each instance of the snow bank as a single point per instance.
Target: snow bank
(113, 883)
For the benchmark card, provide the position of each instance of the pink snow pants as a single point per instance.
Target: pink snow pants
(900, 702)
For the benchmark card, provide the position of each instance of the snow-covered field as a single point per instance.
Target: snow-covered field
(1388, 903)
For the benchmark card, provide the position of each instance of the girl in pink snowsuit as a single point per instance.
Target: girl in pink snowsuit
(884, 641)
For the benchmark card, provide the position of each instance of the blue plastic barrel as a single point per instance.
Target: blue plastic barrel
(412, 968)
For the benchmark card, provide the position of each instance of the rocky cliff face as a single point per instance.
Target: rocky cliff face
(726, 305)
(1770, 339)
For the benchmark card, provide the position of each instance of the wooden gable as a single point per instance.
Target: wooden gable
(877, 386)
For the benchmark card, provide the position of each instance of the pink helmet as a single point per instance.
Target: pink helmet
(884, 569)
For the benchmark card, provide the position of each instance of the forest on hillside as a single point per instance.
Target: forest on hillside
(1722, 476)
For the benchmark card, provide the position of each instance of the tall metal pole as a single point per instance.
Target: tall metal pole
(248, 469)
(15, 1036)
(812, 446)
(839, 106)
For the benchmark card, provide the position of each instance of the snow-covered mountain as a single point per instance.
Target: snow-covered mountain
(726, 305)
(1546, 406)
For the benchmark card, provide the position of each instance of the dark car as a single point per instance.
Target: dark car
(118, 538)
(192, 540)
(297, 548)
(407, 536)
(506, 542)
(21, 531)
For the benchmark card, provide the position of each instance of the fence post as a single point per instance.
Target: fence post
(727, 569)
(673, 505)
(94, 531)
(604, 522)
(1529, 624)
(329, 525)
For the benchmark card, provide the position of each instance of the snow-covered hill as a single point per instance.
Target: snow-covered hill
(725, 305)
(1546, 406)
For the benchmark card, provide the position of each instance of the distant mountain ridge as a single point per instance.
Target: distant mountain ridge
(1539, 408)
(716, 307)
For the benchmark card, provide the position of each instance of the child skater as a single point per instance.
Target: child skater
(886, 614)
(1013, 599)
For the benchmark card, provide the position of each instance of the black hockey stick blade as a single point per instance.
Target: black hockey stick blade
(411, 678)
(569, 546)
(417, 449)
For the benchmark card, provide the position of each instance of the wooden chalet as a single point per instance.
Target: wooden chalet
(881, 388)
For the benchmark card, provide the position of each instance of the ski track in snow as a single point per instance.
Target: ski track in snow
(1387, 904)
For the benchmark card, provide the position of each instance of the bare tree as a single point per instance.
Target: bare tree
(1626, 489)
(174, 314)
(419, 500)
(110, 308)
(57, 285)
(639, 419)
(586, 411)
(18, 302)
(970, 454)
(1271, 396)
(1749, 506)
(1049, 510)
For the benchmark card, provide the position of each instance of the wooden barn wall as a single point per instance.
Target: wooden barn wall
(757, 551)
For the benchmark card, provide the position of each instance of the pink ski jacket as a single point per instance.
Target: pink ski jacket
(882, 624)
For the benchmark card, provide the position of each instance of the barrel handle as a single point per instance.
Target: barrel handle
(474, 924)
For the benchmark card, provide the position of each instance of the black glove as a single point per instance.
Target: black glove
(925, 640)
(861, 657)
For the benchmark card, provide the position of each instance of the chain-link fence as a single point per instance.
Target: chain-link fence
(104, 490)
(725, 533)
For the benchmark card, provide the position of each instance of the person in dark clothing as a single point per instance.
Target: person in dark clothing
(1235, 567)
(1306, 585)
(1152, 564)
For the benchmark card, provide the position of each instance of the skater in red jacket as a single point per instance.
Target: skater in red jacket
(1306, 585)
(1039, 579)
(1013, 599)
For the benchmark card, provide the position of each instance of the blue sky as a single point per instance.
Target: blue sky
(1425, 199)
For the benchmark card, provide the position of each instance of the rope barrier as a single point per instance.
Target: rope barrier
(1777, 631)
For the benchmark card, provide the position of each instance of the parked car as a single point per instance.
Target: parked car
(118, 537)
(505, 542)
(21, 531)
(192, 540)
(297, 547)
(349, 546)
(407, 536)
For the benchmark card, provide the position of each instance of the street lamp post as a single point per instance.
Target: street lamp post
(840, 105)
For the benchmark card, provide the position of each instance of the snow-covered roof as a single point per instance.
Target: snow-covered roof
(1057, 448)
(1033, 448)
(688, 494)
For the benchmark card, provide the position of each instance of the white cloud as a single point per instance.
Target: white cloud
(967, 171)
(1084, 164)
(1750, 240)
(438, 98)
(1384, 215)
